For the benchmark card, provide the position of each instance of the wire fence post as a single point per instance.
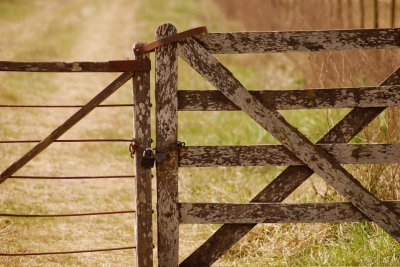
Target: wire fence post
(142, 134)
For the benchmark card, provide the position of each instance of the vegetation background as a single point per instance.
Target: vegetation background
(102, 30)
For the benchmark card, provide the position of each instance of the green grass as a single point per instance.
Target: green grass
(356, 244)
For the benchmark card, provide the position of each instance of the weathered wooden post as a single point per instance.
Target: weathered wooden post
(142, 133)
(166, 138)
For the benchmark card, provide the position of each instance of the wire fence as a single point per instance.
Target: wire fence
(38, 177)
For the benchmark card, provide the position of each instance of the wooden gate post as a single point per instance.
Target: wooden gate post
(142, 133)
(166, 138)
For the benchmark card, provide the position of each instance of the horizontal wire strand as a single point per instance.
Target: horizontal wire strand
(68, 141)
(65, 106)
(64, 252)
(65, 215)
(71, 177)
(67, 177)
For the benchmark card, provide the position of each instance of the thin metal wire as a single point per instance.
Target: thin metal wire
(64, 252)
(71, 177)
(65, 106)
(65, 215)
(68, 141)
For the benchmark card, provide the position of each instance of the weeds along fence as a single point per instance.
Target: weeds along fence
(302, 157)
(139, 71)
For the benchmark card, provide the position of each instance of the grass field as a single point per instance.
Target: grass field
(104, 30)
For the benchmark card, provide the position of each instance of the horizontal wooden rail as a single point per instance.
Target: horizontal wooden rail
(218, 213)
(68, 141)
(63, 106)
(66, 214)
(109, 66)
(262, 155)
(261, 42)
(213, 100)
(41, 177)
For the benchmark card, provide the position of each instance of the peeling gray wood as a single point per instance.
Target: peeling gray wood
(166, 136)
(68, 124)
(317, 159)
(143, 194)
(263, 155)
(212, 100)
(110, 66)
(261, 42)
(232, 213)
(285, 183)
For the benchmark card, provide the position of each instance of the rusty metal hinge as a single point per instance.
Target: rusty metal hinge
(149, 47)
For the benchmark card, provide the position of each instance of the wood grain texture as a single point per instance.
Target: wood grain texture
(110, 66)
(166, 136)
(232, 213)
(212, 100)
(314, 157)
(143, 193)
(261, 42)
(68, 124)
(278, 155)
(285, 183)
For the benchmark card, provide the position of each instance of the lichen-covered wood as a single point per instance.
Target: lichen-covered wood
(110, 66)
(285, 183)
(65, 126)
(216, 213)
(278, 155)
(143, 194)
(261, 42)
(314, 157)
(166, 136)
(212, 100)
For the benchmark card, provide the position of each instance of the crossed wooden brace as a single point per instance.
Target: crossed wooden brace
(66, 125)
(315, 158)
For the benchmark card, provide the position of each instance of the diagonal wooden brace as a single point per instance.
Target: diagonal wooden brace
(282, 186)
(287, 182)
(68, 124)
(317, 159)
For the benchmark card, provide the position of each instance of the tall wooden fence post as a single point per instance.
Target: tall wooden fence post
(166, 138)
(141, 100)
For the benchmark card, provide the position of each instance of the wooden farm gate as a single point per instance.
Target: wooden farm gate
(138, 71)
(303, 157)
